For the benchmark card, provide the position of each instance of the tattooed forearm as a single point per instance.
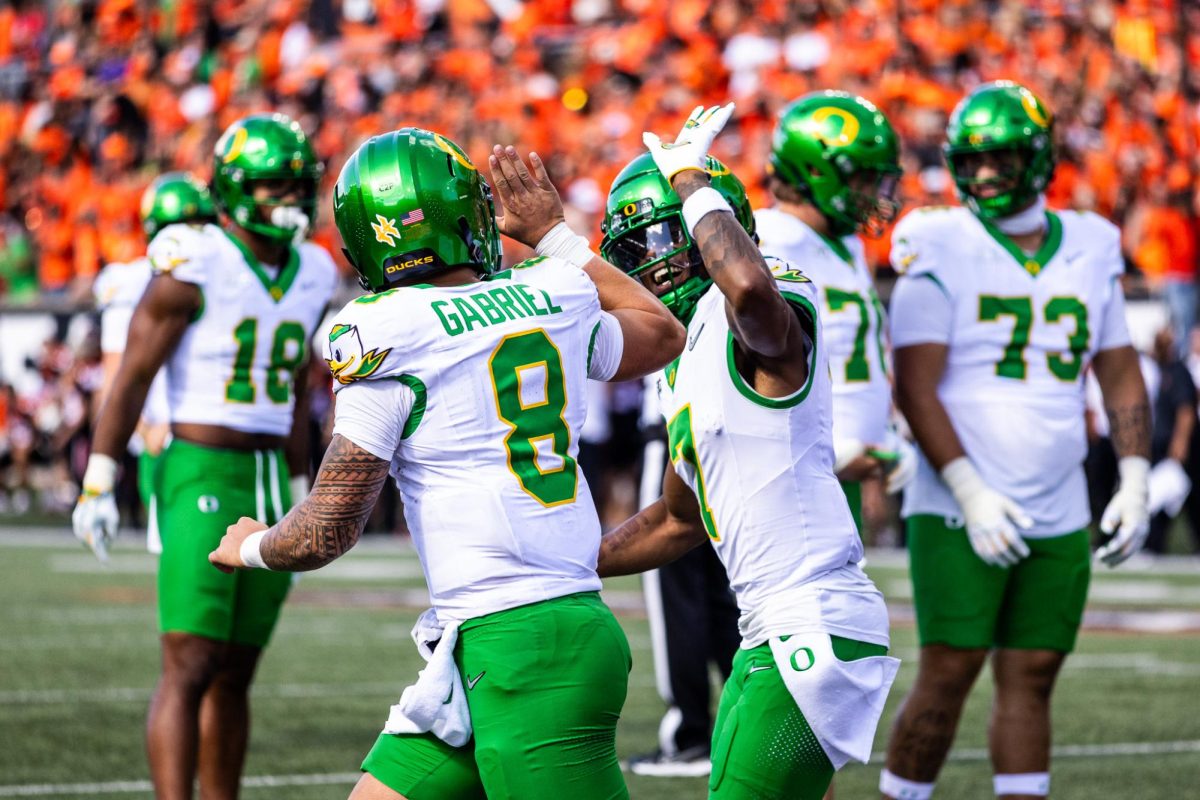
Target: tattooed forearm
(1130, 426)
(723, 242)
(331, 518)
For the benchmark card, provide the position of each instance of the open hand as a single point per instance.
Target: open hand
(527, 204)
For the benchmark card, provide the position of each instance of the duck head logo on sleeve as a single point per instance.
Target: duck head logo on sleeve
(348, 360)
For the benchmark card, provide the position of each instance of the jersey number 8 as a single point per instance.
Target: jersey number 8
(514, 363)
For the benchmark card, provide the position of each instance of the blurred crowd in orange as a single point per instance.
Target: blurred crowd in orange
(98, 97)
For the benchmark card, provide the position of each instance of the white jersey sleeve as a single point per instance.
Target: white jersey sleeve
(373, 415)
(921, 312)
(183, 252)
(1113, 330)
(608, 345)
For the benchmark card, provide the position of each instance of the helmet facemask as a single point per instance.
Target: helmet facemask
(662, 255)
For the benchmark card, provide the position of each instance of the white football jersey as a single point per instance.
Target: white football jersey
(499, 511)
(117, 290)
(1021, 331)
(235, 365)
(762, 472)
(852, 321)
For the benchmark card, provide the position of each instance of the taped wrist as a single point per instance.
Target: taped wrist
(701, 203)
(100, 475)
(251, 552)
(562, 242)
(962, 479)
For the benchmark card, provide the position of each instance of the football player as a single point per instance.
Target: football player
(1001, 306)
(174, 197)
(466, 383)
(229, 315)
(749, 407)
(833, 171)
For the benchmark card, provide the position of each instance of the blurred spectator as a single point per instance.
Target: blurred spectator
(98, 96)
(1173, 408)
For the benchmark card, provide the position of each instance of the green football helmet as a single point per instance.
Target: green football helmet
(643, 227)
(410, 204)
(175, 197)
(829, 146)
(265, 147)
(1001, 115)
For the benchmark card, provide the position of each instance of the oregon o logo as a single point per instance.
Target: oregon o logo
(236, 146)
(454, 153)
(806, 663)
(208, 504)
(630, 209)
(850, 126)
(1030, 104)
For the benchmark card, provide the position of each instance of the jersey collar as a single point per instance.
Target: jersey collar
(1037, 262)
(837, 246)
(275, 287)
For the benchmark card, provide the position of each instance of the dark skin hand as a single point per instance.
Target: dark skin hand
(768, 335)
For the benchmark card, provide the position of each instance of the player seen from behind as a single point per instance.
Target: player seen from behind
(466, 384)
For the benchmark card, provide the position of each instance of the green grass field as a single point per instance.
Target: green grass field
(79, 656)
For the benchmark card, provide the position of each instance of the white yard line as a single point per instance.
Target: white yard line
(1113, 750)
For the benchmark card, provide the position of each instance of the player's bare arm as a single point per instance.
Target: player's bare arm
(160, 320)
(762, 321)
(1125, 400)
(657, 535)
(919, 369)
(324, 526)
(529, 210)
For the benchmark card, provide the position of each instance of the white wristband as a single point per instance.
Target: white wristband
(701, 203)
(962, 478)
(1134, 472)
(562, 242)
(251, 556)
(100, 475)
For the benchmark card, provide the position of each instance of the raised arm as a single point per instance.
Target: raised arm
(769, 334)
(529, 210)
(762, 321)
(659, 534)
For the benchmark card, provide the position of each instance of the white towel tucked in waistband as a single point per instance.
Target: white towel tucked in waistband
(842, 700)
(436, 702)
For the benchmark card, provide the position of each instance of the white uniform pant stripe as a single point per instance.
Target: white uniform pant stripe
(276, 497)
(654, 458)
(260, 499)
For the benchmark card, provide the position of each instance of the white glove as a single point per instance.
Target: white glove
(990, 515)
(690, 148)
(845, 451)
(1127, 513)
(95, 517)
(1169, 487)
(904, 468)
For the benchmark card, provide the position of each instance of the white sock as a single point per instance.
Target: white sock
(900, 789)
(1034, 783)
